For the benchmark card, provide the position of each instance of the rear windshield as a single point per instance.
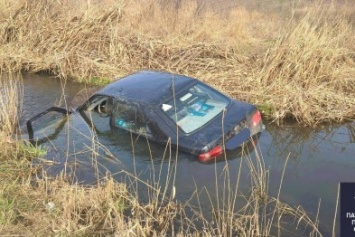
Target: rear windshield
(196, 107)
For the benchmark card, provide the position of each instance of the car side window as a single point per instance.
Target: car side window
(129, 118)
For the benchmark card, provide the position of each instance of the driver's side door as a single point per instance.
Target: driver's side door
(129, 117)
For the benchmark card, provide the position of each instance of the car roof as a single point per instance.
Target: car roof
(151, 87)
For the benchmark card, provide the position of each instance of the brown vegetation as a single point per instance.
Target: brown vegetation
(52, 206)
(293, 60)
(10, 102)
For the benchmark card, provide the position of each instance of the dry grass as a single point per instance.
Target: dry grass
(313, 68)
(52, 206)
(11, 94)
(297, 67)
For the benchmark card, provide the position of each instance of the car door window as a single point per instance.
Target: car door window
(129, 118)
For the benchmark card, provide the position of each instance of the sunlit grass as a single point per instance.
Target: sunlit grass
(27, 149)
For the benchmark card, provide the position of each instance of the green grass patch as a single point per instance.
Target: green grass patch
(29, 150)
(265, 109)
(7, 212)
(99, 81)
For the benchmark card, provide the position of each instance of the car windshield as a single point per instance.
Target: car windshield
(196, 107)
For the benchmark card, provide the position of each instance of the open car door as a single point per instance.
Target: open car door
(47, 124)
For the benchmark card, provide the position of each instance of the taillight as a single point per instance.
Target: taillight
(212, 154)
(255, 120)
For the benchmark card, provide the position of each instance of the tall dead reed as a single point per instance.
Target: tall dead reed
(255, 212)
(56, 206)
(309, 73)
(298, 67)
(84, 41)
(11, 98)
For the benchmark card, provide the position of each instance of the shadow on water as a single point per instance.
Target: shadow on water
(318, 158)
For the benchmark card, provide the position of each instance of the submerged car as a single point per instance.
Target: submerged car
(165, 107)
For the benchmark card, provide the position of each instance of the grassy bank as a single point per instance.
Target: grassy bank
(294, 59)
(47, 206)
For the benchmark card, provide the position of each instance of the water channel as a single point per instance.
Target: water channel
(318, 159)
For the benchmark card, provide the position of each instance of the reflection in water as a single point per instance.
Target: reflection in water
(43, 92)
(319, 158)
(297, 138)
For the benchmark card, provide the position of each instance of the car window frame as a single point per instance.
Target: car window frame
(90, 107)
(137, 112)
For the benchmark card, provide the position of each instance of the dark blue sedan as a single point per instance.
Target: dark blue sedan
(165, 107)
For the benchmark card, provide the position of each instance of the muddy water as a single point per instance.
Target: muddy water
(318, 159)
